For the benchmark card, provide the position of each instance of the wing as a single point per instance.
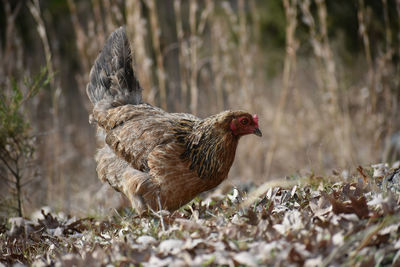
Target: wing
(133, 131)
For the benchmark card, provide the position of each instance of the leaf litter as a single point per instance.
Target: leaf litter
(304, 222)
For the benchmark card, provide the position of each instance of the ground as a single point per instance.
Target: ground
(298, 221)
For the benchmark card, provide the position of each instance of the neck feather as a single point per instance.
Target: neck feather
(211, 149)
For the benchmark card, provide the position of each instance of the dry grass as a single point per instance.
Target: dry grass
(317, 223)
(317, 113)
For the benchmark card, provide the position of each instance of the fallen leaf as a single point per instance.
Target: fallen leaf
(245, 258)
(171, 246)
(146, 240)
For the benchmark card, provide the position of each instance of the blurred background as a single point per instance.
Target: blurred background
(323, 76)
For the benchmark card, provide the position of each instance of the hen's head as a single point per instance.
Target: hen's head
(243, 123)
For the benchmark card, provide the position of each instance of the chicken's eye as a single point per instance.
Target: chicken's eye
(245, 121)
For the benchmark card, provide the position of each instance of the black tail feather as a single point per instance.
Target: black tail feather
(112, 80)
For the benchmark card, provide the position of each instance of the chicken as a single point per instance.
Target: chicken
(159, 160)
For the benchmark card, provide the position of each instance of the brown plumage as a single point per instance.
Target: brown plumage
(153, 157)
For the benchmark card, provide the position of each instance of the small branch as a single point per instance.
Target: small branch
(10, 31)
(156, 31)
(34, 8)
(28, 181)
(7, 180)
(289, 71)
(194, 92)
(8, 166)
(182, 51)
(362, 28)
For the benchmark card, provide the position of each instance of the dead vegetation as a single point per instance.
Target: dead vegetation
(323, 77)
(323, 103)
(315, 222)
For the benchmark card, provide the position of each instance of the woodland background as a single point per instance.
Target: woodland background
(323, 76)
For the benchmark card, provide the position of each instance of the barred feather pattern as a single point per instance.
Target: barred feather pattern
(209, 144)
(182, 155)
(157, 159)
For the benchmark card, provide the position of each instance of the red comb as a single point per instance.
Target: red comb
(255, 118)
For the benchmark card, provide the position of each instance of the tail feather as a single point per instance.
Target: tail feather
(112, 80)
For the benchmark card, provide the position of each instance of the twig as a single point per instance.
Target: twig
(288, 76)
(136, 29)
(193, 57)
(183, 50)
(156, 31)
(11, 17)
(161, 216)
(361, 171)
(362, 28)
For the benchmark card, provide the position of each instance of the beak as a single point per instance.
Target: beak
(257, 132)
